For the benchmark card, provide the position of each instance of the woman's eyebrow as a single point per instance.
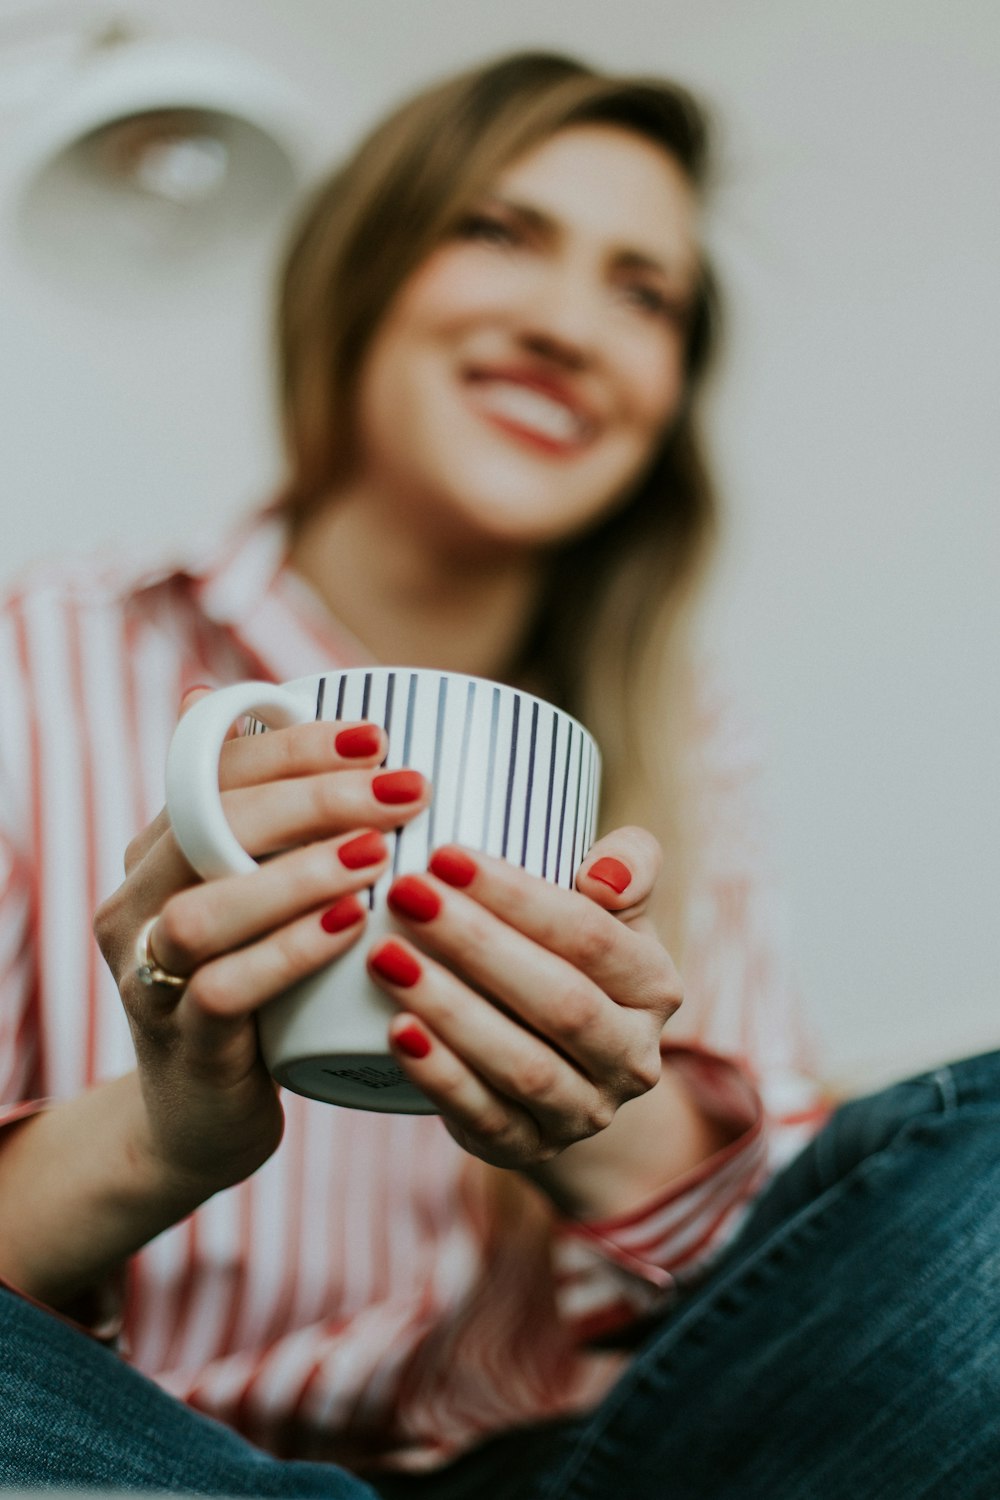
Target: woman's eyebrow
(626, 256)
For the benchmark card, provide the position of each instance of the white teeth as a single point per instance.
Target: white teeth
(530, 408)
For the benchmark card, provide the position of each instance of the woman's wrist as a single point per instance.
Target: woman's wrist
(81, 1191)
(652, 1141)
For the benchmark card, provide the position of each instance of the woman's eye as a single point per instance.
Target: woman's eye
(658, 304)
(484, 227)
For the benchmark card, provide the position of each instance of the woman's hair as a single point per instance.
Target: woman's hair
(607, 640)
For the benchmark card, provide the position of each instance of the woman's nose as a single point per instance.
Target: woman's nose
(562, 317)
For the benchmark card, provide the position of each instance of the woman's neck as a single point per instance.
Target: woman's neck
(414, 602)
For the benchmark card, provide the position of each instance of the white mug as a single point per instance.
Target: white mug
(511, 775)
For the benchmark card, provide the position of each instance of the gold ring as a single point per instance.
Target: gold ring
(147, 970)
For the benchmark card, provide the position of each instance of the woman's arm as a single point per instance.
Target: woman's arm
(86, 1182)
(80, 1191)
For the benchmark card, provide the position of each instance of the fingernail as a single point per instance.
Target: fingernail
(410, 897)
(366, 849)
(611, 872)
(394, 963)
(398, 786)
(343, 913)
(358, 740)
(412, 1039)
(452, 866)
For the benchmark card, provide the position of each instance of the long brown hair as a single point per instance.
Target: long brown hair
(607, 642)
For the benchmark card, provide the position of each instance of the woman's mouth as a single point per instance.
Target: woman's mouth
(530, 414)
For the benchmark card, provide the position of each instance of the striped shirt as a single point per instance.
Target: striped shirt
(372, 1295)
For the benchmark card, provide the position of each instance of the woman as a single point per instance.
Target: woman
(495, 321)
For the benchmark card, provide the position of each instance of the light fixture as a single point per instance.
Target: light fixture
(155, 156)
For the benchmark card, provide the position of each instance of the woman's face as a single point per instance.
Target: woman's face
(522, 379)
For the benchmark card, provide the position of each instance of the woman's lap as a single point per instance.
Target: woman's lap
(847, 1346)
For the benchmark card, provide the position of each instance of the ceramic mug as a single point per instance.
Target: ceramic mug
(511, 775)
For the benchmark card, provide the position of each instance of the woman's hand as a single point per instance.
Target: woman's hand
(529, 1012)
(315, 792)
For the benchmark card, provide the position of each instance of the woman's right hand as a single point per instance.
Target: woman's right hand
(313, 799)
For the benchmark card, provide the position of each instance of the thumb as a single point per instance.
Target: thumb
(620, 871)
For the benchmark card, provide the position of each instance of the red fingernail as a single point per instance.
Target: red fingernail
(343, 913)
(412, 1040)
(398, 786)
(611, 872)
(366, 849)
(410, 897)
(394, 963)
(452, 866)
(359, 739)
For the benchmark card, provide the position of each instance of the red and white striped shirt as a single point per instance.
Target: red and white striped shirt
(372, 1295)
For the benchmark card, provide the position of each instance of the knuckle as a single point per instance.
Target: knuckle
(182, 926)
(598, 1115)
(295, 954)
(328, 796)
(578, 1010)
(134, 850)
(595, 940)
(207, 991)
(495, 1127)
(105, 919)
(642, 1070)
(537, 1076)
(317, 867)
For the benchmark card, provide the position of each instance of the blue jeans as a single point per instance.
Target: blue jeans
(846, 1348)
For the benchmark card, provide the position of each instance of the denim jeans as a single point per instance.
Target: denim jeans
(847, 1347)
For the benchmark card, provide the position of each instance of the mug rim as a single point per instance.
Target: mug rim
(312, 677)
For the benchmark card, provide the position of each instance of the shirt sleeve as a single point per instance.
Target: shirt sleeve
(739, 1043)
(98, 1313)
(18, 963)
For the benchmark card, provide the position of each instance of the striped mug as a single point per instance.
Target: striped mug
(510, 774)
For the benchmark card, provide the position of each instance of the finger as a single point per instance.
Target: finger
(203, 921)
(630, 966)
(303, 750)
(493, 1076)
(275, 816)
(145, 840)
(481, 1120)
(237, 983)
(620, 871)
(543, 991)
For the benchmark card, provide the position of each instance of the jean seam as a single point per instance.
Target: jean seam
(944, 1080)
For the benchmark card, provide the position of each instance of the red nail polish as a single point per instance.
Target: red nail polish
(411, 897)
(412, 1040)
(358, 740)
(611, 872)
(452, 866)
(394, 963)
(343, 913)
(366, 849)
(398, 786)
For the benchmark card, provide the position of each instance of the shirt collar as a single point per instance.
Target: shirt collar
(245, 585)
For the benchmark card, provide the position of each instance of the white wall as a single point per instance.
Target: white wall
(857, 226)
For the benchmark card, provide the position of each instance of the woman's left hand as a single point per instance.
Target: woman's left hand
(529, 1013)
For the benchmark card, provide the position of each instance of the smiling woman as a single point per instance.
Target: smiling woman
(522, 371)
(494, 323)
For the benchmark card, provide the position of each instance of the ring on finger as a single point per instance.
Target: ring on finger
(148, 969)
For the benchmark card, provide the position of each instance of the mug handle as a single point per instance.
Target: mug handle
(194, 801)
